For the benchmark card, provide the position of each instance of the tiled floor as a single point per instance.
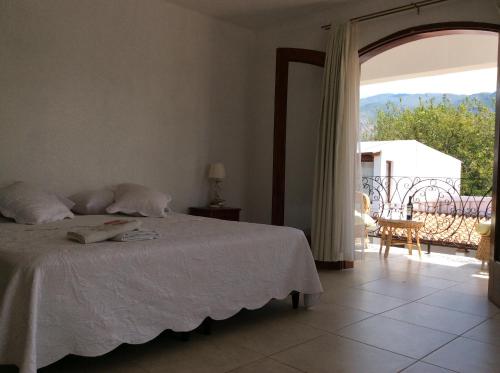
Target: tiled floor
(386, 315)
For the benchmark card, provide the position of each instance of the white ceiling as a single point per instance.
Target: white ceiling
(257, 13)
(411, 60)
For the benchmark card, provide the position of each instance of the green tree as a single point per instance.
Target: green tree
(465, 131)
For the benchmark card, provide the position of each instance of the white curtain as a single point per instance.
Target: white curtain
(337, 175)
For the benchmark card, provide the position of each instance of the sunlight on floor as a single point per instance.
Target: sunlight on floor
(444, 259)
(483, 275)
(451, 259)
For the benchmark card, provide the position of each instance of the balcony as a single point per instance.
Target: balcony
(450, 218)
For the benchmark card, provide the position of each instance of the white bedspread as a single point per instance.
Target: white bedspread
(60, 297)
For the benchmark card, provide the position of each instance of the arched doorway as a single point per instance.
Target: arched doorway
(287, 55)
(422, 32)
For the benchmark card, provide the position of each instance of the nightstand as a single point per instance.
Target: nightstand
(224, 213)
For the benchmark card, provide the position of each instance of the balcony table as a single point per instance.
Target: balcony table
(388, 228)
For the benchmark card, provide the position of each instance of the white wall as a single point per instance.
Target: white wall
(411, 158)
(99, 92)
(433, 163)
(306, 33)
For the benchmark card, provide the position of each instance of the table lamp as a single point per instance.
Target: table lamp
(217, 173)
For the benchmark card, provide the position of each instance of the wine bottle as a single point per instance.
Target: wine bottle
(409, 209)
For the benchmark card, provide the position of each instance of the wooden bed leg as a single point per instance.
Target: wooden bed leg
(206, 326)
(295, 299)
(184, 336)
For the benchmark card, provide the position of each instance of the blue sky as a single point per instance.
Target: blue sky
(468, 82)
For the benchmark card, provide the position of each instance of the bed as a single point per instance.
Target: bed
(59, 297)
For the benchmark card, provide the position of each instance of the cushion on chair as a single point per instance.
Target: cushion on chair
(484, 228)
(366, 220)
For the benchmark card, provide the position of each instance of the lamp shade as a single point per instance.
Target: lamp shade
(216, 171)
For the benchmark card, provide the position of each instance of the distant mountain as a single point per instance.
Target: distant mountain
(369, 106)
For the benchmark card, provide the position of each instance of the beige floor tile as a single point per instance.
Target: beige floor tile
(381, 268)
(467, 356)
(199, 354)
(474, 287)
(432, 282)
(476, 305)
(265, 336)
(473, 266)
(487, 332)
(114, 361)
(449, 273)
(266, 366)
(401, 289)
(444, 267)
(443, 273)
(397, 336)
(407, 263)
(435, 317)
(374, 255)
(410, 267)
(351, 277)
(331, 317)
(331, 354)
(425, 368)
(362, 300)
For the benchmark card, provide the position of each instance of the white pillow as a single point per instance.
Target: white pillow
(134, 199)
(28, 204)
(66, 201)
(93, 202)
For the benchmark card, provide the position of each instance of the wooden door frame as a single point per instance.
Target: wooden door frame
(285, 56)
(494, 263)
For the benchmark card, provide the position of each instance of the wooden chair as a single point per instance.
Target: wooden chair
(484, 246)
(367, 224)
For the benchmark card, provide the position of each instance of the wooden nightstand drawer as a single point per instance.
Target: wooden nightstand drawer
(224, 213)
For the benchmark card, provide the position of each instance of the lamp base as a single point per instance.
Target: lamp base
(217, 203)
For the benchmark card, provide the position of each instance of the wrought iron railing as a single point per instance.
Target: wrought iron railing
(450, 218)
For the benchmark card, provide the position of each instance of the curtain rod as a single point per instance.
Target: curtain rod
(417, 5)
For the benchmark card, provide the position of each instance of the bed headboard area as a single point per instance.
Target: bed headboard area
(97, 93)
